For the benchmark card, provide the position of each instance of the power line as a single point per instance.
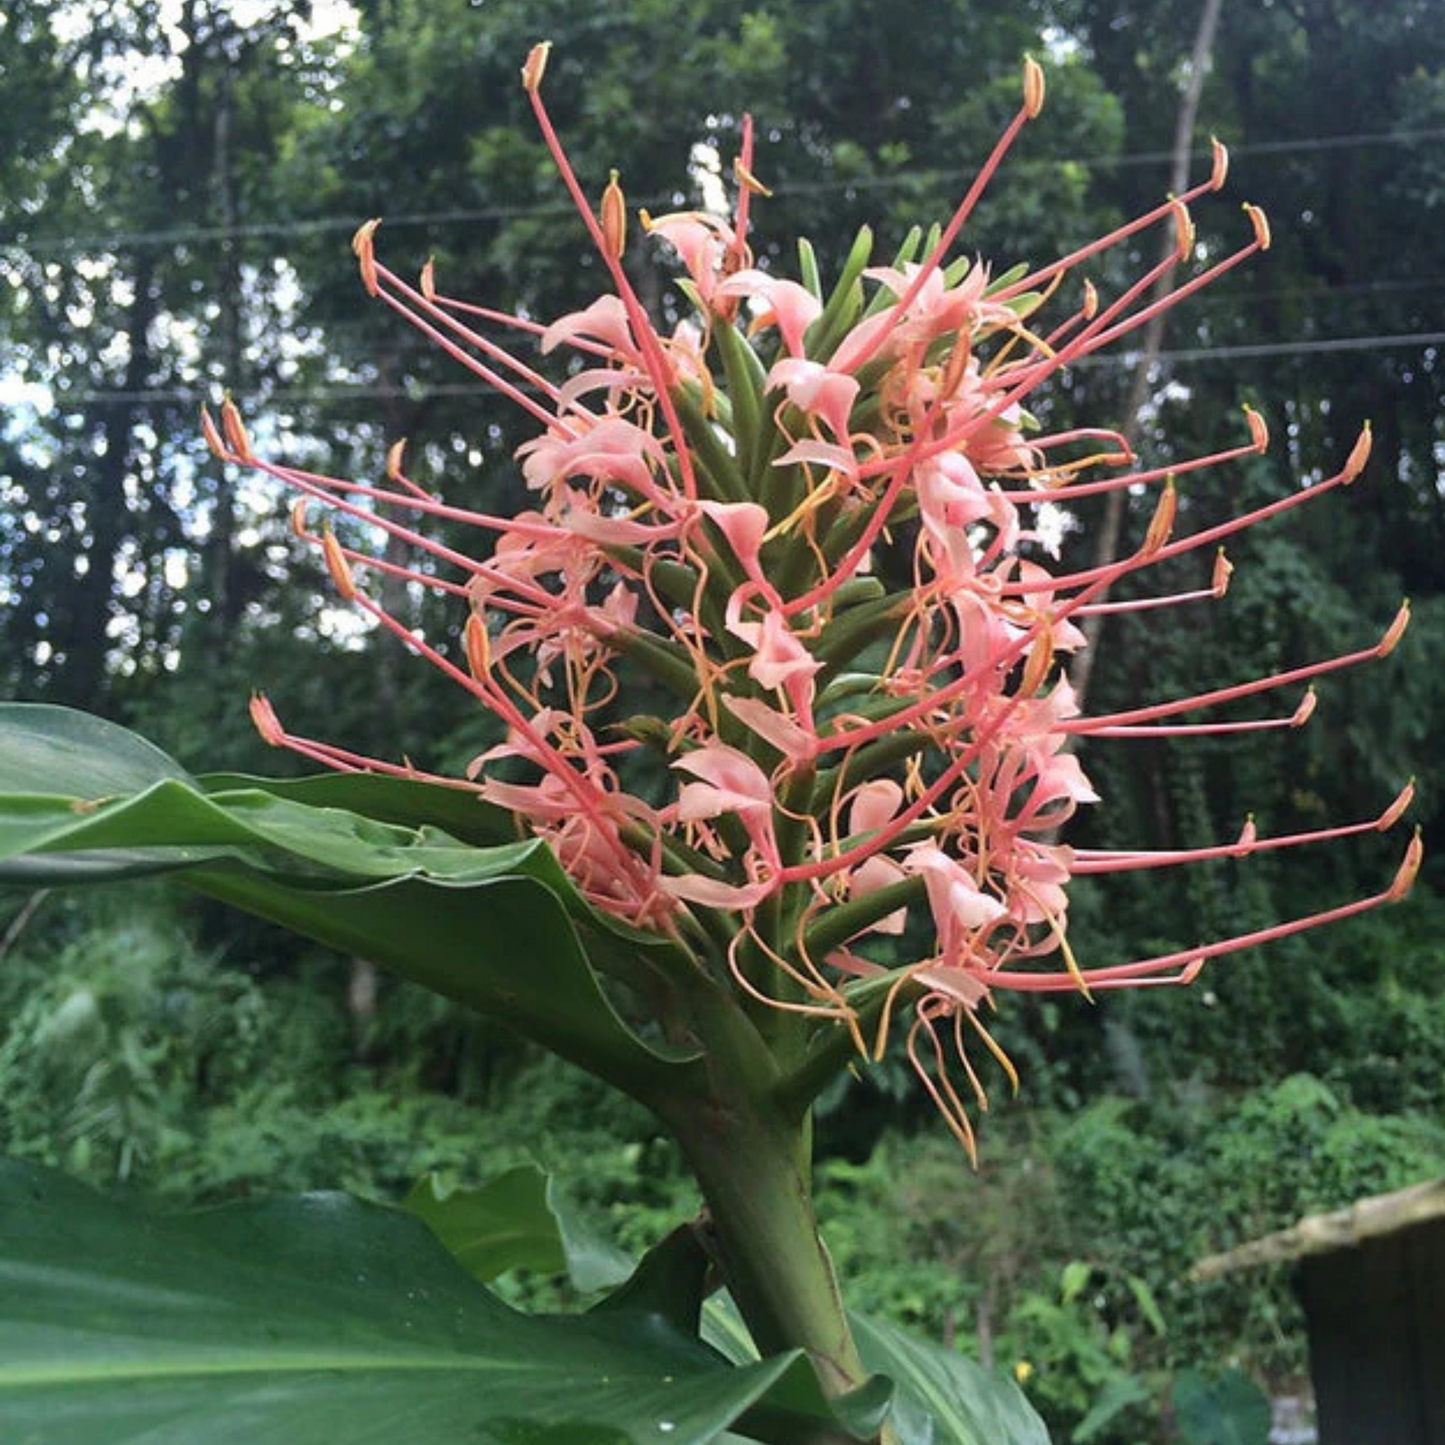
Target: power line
(196, 395)
(1423, 339)
(179, 235)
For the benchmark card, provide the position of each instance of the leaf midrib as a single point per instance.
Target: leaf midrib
(12, 1378)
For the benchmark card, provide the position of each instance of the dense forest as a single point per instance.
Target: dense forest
(179, 184)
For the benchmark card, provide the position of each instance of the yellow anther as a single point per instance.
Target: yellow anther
(1396, 630)
(1161, 524)
(1395, 811)
(1260, 222)
(747, 180)
(393, 459)
(1033, 87)
(213, 436)
(263, 715)
(1223, 571)
(1409, 867)
(1220, 170)
(363, 249)
(1359, 455)
(1258, 429)
(614, 219)
(536, 65)
(478, 646)
(338, 566)
(234, 430)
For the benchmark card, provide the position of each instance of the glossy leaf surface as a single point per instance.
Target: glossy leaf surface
(311, 1320)
(496, 927)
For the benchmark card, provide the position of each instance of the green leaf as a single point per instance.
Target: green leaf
(408, 896)
(942, 1398)
(670, 1280)
(1228, 1410)
(1116, 1397)
(939, 1397)
(312, 1320)
(95, 758)
(514, 1222)
(1148, 1305)
(407, 802)
(1074, 1280)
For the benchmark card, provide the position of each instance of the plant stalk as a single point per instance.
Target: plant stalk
(752, 1156)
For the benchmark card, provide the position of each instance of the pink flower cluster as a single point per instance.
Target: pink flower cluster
(848, 757)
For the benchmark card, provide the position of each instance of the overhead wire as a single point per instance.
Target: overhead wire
(181, 235)
(18, 241)
(370, 392)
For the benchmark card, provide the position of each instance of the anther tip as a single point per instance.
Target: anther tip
(535, 66)
(1359, 455)
(234, 431)
(1219, 154)
(212, 434)
(1223, 571)
(1396, 810)
(1260, 222)
(1395, 631)
(363, 249)
(338, 566)
(1258, 429)
(1033, 87)
(263, 716)
(1409, 868)
(394, 454)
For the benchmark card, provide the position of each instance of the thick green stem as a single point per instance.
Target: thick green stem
(755, 1177)
(752, 1157)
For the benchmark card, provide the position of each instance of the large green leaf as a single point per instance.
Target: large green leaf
(407, 801)
(312, 1320)
(1229, 1409)
(939, 1397)
(493, 926)
(932, 1396)
(95, 758)
(514, 1221)
(943, 1398)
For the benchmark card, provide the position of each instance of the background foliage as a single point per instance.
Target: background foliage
(179, 184)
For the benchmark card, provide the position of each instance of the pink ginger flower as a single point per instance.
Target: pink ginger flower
(862, 778)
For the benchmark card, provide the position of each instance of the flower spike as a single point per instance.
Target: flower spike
(854, 755)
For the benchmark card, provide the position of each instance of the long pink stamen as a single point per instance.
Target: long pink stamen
(657, 368)
(950, 232)
(1089, 861)
(1072, 491)
(1161, 963)
(401, 533)
(1088, 726)
(1163, 211)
